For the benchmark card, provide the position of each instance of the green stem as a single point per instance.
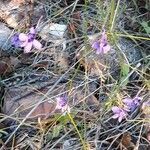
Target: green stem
(75, 126)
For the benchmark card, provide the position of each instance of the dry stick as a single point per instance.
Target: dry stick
(138, 141)
(75, 4)
(113, 21)
(57, 15)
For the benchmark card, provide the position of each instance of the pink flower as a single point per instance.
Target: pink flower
(62, 104)
(27, 41)
(119, 113)
(101, 46)
(132, 104)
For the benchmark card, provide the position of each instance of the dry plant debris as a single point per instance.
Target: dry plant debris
(74, 75)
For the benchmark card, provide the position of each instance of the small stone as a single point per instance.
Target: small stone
(52, 31)
(5, 34)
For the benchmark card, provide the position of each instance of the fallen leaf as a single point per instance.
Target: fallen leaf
(91, 62)
(21, 107)
(146, 109)
(126, 141)
(18, 15)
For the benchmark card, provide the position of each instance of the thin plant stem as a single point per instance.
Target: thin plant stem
(75, 126)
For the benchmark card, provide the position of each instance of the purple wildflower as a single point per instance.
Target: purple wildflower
(101, 46)
(15, 40)
(26, 40)
(62, 104)
(132, 104)
(119, 113)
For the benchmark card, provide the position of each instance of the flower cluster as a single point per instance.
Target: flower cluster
(101, 46)
(62, 104)
(129, 106)
(27, 41)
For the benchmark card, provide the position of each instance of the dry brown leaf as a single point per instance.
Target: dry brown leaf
(44, 110)
(5, 66)
(126, 141)
(146, 109)
(22, 106)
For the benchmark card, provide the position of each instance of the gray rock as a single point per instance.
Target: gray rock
(5, 34)
(130, 50)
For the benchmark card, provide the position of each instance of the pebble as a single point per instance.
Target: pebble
(5, 34)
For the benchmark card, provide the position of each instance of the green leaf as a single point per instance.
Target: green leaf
(2, 132)
(56, 130)
(124, 69)
(64, 119)
(124, 73)
(146, 26)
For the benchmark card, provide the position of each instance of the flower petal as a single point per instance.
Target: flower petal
(15, 40)
(27, 48)
(106, 49)
(32, 30)
(115, 109)
(37, 44)
(23, 44)
(127, 100)
(137, 100)
(96, 45)
(58, 105)
(115, 116)
(23, 37)
(120, 118)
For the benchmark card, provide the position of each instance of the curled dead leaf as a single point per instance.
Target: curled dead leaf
(126, 141)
